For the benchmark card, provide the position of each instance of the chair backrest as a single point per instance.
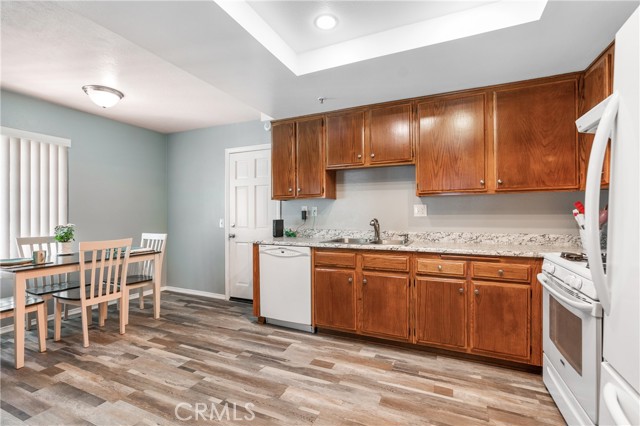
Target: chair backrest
(156, 242)
(26, 247)
(103, 268)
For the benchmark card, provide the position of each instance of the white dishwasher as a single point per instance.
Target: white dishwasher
(285, 286)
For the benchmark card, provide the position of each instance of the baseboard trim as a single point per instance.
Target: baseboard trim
(51, 317)
(194, 292)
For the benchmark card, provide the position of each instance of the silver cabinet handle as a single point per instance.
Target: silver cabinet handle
(476, 292)
(439, 267)
(499, 181)
(359, 156)
(232, 236)
(482, 182)
(500, 272)
(373, 155)
(350, 280)
(461, 290)
(364, 281)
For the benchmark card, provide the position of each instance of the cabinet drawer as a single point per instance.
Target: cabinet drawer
(441, 267)
(329, 258)
(501, 271)
(383, 262)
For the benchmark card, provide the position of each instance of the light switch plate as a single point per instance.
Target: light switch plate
(314, 211)
(419, 210)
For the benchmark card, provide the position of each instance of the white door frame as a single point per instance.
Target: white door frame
(227, 155)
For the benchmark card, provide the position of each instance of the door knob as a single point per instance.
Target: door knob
(364, 281)
(482, 182)
(461, 290)
(359, 156)
(500, 272)
(232, 236)
(350, 280)
(290, 189)
(439, 267)
(476, 292)
(499, 181)
(373, 155)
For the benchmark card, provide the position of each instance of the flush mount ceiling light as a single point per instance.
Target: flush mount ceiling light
(326, 22)
(103, 96)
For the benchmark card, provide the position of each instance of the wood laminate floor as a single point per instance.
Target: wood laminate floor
(207, 362)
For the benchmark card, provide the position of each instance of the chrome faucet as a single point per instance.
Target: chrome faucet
(376, 229)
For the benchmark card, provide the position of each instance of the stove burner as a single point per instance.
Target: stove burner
(574, 257)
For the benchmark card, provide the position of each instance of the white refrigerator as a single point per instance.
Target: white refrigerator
(618, 289)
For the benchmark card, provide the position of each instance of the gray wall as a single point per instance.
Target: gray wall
(196, 176)
(117, 172)
(388, 193)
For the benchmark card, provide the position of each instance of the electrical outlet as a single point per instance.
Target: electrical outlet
(221, 223)
(314, 211)
(419, 210)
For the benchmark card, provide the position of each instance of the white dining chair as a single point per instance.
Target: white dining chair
(43, 287)
(103, 273)
(143, 273)
(32, 304)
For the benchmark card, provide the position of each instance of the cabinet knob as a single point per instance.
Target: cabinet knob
(359, 156)
(476, 292)
(350, 280)
(499, 181)
(461, 290)
(500, 272)
(439, 267)
(373, 155)
(364, 281)
(481, 181)
(290, 189)
(299, 189)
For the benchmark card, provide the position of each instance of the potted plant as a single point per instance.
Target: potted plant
(64, 235)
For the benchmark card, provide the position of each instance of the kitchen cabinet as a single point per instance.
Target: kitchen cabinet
(535, 140)
(345, 139)
(390, 136)
(385, 305)
(334, 301)
(441, 313)
(380, 135)
(297, 168)
(597, 85)
(452, 144)
(500, 319)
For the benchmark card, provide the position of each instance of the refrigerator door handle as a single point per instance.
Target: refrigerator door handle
(592, 200)
(610, 397)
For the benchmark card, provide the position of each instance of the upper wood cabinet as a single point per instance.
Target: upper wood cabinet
(452, 144)
(390, 140)
(597, 84)
(345, 139)
(536, 141)
(297, 153)
(380, 135)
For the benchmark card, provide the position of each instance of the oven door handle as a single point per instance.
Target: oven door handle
(582, 306)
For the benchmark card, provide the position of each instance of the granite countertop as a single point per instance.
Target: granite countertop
(516, 245)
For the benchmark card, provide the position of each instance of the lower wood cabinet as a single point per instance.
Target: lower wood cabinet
(487, 306)
(441, 314)
(500, 319)
(385, 305)
(334, 302)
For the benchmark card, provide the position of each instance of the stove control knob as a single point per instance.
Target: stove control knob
(548, 267)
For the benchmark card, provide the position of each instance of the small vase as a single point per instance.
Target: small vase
(65, 248)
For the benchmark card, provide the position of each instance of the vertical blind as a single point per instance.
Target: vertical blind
(33, 186)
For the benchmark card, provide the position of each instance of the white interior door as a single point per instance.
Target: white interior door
(250, 214)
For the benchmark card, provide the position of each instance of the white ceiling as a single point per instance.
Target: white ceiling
(187, 64)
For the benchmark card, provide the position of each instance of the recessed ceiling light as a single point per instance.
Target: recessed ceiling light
(326, 22)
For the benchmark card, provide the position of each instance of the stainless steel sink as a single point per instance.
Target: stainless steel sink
(365, 241)
(350, 241)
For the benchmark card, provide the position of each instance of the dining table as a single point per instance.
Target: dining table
(61, 264)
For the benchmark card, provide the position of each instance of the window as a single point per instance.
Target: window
(33, 186)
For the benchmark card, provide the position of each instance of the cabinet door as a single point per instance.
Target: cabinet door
(441, 314)
(535, 136)
(390, 139)
(309, 161)
(500, 319)
(345, 139)
(385, 305)
(597, 84)
(451, 145)
(334, 301)
(283, 141)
